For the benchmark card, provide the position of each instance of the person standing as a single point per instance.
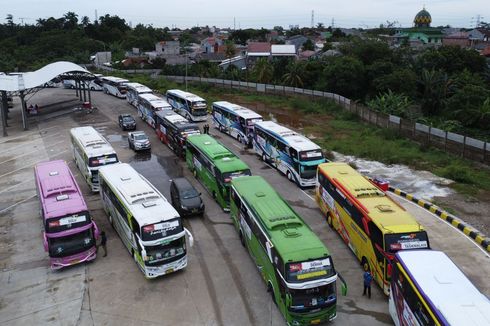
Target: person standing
(368, 279)
(103, 242)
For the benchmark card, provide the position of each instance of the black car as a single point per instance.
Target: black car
(185, 198)
(127, 122)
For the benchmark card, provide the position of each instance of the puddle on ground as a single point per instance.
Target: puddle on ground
(422, 184)
(159, 170)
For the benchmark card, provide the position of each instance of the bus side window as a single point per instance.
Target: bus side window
(293, 153)
(236, 199)
(135, 226)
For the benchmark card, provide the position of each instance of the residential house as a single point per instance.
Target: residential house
(460, 39)
(297, 41)
(283, 50)
(167, 48)
(257, 50)
(211, 44)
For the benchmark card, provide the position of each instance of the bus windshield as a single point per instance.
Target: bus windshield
(309, 270)
(67, 222)
(311, 299)
(312, 155)
(307, 171)
(102, 160)
(122, 88)
(163, 254)
(199, 108)
(228, 176)
(71, 244)
(399, 241)
(160, 230)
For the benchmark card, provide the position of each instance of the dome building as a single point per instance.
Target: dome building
(421, 34)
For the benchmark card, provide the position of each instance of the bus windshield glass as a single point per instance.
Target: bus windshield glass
(67, 222)
(199, 108)
(163, 254)
(122, 88)
(189, 131)
(160, 230)
(102, 160)
(309, 270)
(403, 241)
(228, 176)
(306, 300)
(307, 171)
(71, 244)
(312, 155)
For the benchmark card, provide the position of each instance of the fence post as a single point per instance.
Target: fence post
(485, 152)
(464, 145)
(428, 136)
(445, 143)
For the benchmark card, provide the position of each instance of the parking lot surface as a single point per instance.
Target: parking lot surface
(220, 286)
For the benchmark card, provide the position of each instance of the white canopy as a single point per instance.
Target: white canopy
(37, 78)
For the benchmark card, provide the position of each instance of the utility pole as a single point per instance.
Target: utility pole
(312, 18)
(96, 18)
(234, 23)
(333, 23)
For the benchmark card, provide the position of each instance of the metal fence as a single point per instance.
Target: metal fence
(461, 145)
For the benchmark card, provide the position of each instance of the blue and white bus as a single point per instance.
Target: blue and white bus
(148, 105)
(235, 120)
(114, 85)
(134, 90)
(188, 105)
(291, 153)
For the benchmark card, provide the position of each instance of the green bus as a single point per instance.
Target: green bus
(214, 165)
(294, 263)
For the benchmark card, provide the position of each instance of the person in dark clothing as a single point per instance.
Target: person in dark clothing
(206, 128)
(368, 278)
(103, 242)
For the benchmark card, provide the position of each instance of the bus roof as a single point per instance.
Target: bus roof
(186, 95)
(448, 290)
(381, 208)
(146, 203)
(221, 156)
(114, 79)
(139, 88)
(288, 136)
(287, 231)
(92, 141)
(175, 118)
(58, 189)
(155, 100)
(240, 111)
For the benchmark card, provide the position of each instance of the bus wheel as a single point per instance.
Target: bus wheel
(214, 194)
(111, 220)
(329, 220)
(290, 177)
(194, 172)
(264, 158)
(238, 138)
(242, 241)
(364, 263)
(270, 289)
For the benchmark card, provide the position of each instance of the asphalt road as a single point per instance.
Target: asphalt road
(220, 286)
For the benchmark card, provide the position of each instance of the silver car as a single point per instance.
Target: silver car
(138, 141)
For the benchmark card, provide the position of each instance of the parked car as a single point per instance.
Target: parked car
(127, 122)
(185, 198)
(138, 141)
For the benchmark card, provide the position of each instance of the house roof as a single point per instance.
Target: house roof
(306, 54)
(458, 35)
(261, 47)
(486, 51)
(283, 49)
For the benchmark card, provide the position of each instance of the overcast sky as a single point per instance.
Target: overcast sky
(256, 13)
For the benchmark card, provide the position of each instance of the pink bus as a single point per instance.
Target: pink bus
(69, 232)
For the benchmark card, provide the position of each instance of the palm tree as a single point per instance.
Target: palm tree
(230, 49)
(263, 71)
(294, 75)
(435, 86)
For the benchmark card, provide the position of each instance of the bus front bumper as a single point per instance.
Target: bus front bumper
(307, 182)
(153, 272)
(57, 263)
(296, 319)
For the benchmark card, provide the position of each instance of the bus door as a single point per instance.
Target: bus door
(377, 246)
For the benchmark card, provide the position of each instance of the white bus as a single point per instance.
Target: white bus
(133, 92)
(148, 225)
(114, 86)
(427, 288)
(90, 152)
(291, 153)
(93, 85)
(148, 105)
(235, 120)
(188, 105)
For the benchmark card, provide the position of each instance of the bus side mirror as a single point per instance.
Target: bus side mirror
(45, 241)
(343, 286)
(191, 238)
(96, 230)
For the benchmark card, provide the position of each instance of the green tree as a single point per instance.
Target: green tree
(343, 75)
(294, 75)
(401, 81)
(70, 20)
(451, 59)
(434, 87)
(263, 71)
(391, 103)
(230, 49)
(470, 105)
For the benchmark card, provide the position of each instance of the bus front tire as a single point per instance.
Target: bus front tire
(289, 176)
(270, 289)
(329, 220)
(242, 241)
(264, 158)
(194, 172)
(364, 263)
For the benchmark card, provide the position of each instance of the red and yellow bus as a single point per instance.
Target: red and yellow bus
(369, 221)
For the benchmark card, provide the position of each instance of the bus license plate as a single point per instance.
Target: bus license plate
(168, 271)
(315, 321)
